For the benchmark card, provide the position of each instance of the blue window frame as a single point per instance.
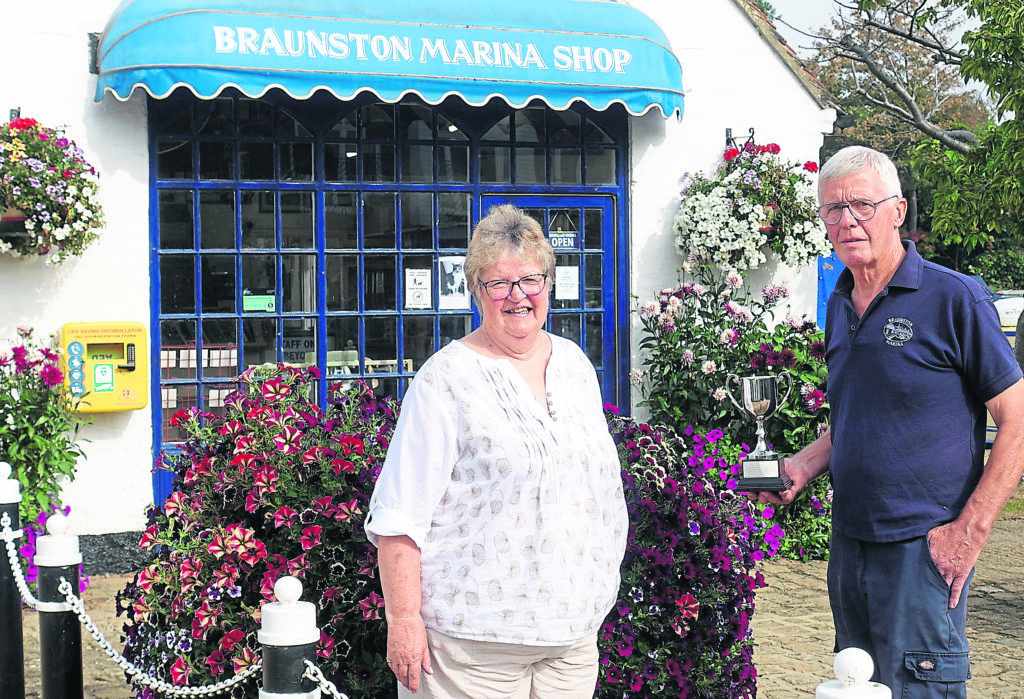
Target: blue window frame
(331, 233)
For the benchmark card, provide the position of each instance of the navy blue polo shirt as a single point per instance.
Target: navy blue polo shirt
(907, 385)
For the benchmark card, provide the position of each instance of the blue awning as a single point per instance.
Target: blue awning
(518, 50)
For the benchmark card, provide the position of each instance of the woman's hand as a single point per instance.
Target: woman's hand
(407, 650)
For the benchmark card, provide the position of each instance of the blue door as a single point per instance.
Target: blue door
(589, 300)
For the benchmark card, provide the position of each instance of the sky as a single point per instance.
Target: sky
(807, 15)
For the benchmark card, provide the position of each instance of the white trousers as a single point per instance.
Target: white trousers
(468, 669)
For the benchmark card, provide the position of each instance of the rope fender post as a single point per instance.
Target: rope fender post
(60, 634)
(12, 645)
(288, 634)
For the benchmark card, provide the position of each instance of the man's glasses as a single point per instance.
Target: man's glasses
(861, 209)
(501, 289)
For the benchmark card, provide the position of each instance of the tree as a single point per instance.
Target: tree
(976, 177)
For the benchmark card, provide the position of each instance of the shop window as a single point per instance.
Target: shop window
(285, 233)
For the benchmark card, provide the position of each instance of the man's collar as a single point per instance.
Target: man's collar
(907, 275)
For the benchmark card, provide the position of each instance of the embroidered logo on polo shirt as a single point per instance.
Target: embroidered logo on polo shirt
(898, 331)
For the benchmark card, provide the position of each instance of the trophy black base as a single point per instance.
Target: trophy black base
(770, 485)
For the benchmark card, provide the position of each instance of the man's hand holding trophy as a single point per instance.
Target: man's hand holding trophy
(763, 469)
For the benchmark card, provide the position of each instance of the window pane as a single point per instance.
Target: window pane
(214, 395)
(217, 283)
(258, 221)
(340, 219)
(593, 281)
(217, 219)
(220, 348)
(417, 163)
(592, 233)
(298, 283)
(377, 121)
(255, 118)
(259, 276)
(342, 290)
(453, 163)
(176, 230)
(567, 326)
(174, 160)
(418, 339)
(378, 162)
(297, 220)
(340, 162)
(289, 126)
(381, 345)
(216, 161)
(592, 133)
(216, 117)
(345, 128)
(495, 164)
(453, 220)
(177, 336)
(600, 166)
(415, 122)
(564, 127)
(177, 284)
(298, 342)
(297, 162)
(530, 125)
(454, 328)
(379, 287)
(417, 282)
(260, 341)
(530, 166)
(500, 131)
(257, 161)
(595, 338)
(566, 166)
(379, 220)
(172, 399)
(417, 219)
(342, 346)
(567, 271)
(448, 131)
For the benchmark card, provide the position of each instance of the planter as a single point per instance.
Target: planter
(769, 213)
(12, 223)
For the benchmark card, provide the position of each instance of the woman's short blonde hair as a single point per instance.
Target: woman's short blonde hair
(506, 229)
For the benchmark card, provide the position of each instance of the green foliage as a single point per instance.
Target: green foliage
(1001, 267)
(38, 424)
(698, 333)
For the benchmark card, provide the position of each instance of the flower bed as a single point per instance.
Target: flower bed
(278, 487)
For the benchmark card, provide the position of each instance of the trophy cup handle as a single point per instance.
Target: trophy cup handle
(789, 389)
(729, 379)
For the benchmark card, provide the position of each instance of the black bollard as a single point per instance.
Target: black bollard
(288, 634)
(12, 647)
(60, 633)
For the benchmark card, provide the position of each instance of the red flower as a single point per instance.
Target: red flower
(310, 537)
(180, 670)
(372, 606)
(811, 166)
(688, 605)
(22, 124)
(731, 154)
(284, 516)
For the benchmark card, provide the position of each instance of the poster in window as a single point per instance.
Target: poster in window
(454, 291)
(417, 289)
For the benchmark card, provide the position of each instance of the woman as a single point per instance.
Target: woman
(499, 515)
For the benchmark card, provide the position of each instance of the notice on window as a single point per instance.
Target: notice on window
(567, 283)
(454, 291)
(417, 289)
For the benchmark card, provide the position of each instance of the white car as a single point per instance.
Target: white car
(1009, 308)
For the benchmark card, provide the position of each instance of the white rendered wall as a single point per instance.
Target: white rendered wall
(733, 79)
(44, 54)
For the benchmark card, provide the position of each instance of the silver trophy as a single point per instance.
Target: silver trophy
(763, 469)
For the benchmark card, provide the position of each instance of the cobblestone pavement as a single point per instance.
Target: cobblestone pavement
(792, 628)
(794, 632)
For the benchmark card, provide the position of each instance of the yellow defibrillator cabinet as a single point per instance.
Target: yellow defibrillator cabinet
(105, 365)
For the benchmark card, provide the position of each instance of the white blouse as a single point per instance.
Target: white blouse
(519, 514)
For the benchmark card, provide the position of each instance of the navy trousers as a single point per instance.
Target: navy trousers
(890, 600)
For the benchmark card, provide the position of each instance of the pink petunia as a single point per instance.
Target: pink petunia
(180, 670)
(310, 537)
(51, 376)
(372, 606)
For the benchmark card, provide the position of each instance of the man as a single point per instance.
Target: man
(915, 355)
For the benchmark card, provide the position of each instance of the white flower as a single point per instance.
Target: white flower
(719, 394)
(687, 357)
(636, 377)
(708, 367)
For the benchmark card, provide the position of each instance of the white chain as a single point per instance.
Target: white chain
(12, 557)
(138, 675)
(313, 673)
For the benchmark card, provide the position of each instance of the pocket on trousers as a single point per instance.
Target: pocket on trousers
(938, 667)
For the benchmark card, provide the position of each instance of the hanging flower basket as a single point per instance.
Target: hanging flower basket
(48, 193)
(754, 202)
